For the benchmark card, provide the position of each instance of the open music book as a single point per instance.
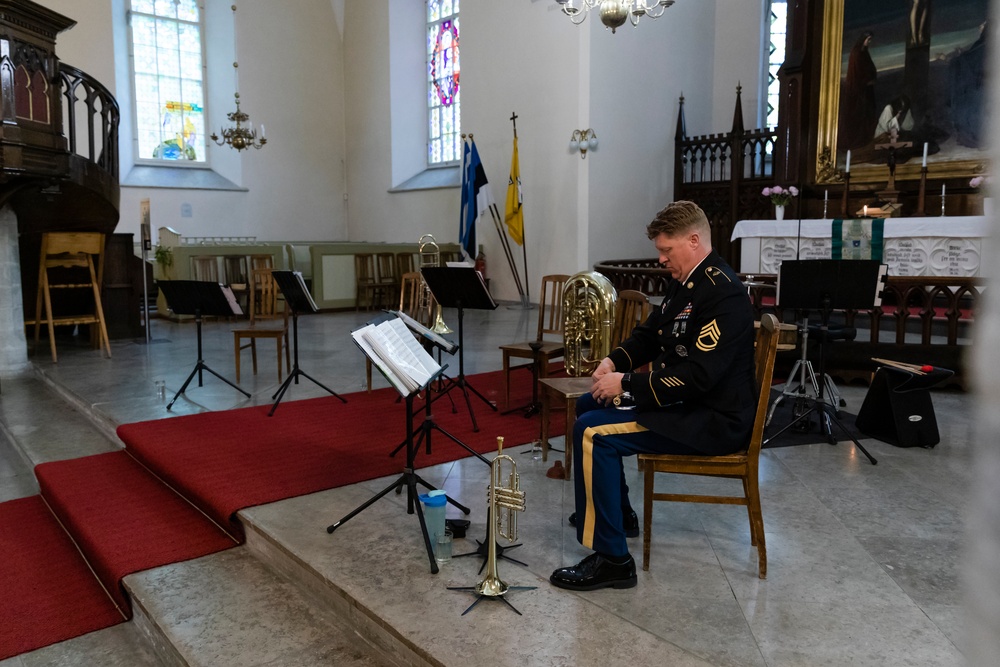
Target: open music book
(421, 330)
(397, 354)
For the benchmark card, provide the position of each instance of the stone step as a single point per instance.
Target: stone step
(229, 609)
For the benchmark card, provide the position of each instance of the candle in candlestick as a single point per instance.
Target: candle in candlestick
(847, 167)
(942, 190)
(925, 155)
(866, 210)
(826, 195)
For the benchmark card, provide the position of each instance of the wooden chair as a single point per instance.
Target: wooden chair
(388, 278)
(364, 280)
(71, 251)
(550, 323)
(263, 307)
(741, 465)
(631, 308)
(205, 268)
(404, 263)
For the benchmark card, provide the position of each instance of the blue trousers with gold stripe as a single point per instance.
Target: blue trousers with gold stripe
(602, 436)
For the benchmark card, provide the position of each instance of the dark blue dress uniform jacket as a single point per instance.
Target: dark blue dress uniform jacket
(701, 390)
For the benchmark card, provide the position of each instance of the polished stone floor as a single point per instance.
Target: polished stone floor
(863, 561)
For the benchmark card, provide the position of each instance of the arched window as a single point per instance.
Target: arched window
(168, 72)
(777, 24)
(444, 108)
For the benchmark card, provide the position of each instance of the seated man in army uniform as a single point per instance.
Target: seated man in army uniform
(698, 399)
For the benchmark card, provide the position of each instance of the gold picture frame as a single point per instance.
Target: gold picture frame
(826, 162)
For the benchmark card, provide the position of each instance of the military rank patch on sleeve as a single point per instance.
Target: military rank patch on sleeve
(708, 337)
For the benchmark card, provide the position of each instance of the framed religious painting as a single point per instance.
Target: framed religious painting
(906, 78)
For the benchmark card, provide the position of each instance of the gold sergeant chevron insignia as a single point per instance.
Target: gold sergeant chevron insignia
(672, 381)
(708, 337)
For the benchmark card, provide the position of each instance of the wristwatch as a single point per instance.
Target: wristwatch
(627, 383)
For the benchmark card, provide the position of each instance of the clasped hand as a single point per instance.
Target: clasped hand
(607, 382)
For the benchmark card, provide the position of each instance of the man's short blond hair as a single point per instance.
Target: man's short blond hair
(681, 217)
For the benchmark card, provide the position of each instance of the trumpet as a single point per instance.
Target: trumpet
(430, 255)
(506, 495)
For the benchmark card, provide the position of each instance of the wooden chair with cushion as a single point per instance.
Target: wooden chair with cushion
(540, 351)
(741, 465)
(263, 308)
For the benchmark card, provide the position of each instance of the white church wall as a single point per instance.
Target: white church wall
(294, 186)
(738, 26)
(637, 77)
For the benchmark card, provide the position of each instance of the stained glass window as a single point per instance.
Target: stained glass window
(444, 117)
(168, 73)
(777, 25)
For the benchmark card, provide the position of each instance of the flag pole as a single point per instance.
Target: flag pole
(526, 297)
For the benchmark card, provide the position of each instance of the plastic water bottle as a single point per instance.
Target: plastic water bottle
(434, 508)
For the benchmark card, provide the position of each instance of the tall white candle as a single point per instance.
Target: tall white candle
(942, 189)
(925, 155)
(866, 210)
(826, 195)
(847, 167)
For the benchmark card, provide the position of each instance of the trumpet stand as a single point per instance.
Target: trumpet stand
(511, 499)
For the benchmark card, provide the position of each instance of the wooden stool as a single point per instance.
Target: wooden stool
(569, 389)
(71, 250)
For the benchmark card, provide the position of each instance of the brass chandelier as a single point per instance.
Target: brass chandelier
(614, 13)
(242, 135)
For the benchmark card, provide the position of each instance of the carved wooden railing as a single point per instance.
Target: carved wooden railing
(90, 109)
(923, 319)
(724, 174)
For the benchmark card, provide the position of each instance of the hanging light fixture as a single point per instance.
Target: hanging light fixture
(614, 13)
(242, 135)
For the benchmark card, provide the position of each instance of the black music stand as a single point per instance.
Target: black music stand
(298, 298)
(825, 284)
(460, 287)
(409, 478)
(194, 297)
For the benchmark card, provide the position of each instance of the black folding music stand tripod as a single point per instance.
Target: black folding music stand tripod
(297, 298)
(825, 284)
(460, 287)
(409, 478)
(194, 297)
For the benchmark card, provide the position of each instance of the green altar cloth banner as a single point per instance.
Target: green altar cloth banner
(857, 239)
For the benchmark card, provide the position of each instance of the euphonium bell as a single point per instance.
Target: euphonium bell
(588, 319)
(430, 255)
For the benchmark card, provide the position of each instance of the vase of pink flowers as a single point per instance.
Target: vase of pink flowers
(977, 182)
(780, 197)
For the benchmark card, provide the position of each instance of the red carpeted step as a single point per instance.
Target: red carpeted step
(225, 461)
(123, 518)
(47, 592)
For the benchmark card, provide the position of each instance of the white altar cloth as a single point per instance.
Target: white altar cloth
(941, 245)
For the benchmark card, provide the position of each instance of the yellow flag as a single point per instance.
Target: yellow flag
(512, 213)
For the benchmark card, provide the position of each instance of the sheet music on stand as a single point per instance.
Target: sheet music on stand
(293, 288)
(397, 354)
(421, 330)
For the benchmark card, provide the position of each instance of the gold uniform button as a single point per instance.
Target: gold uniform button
(663, 365)
(660, 332)
(690, 285)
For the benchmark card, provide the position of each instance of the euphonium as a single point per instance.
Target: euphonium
(508, 496)
(430, 255)
(588, 318)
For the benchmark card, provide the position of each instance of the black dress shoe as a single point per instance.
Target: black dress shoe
(593, 572)
(630, 521)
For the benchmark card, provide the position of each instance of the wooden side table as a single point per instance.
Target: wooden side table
(569, 389)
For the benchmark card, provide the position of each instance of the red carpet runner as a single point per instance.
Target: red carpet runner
(124, 519)
(48, 594)
(225, 461)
